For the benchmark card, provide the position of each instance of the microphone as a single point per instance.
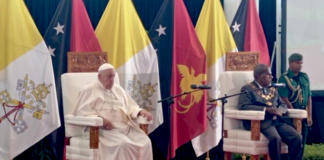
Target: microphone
(194, 86)
(278, 85)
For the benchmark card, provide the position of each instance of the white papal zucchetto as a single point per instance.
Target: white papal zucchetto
(105, 66)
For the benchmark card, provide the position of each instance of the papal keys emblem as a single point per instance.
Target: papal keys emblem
(31, 98)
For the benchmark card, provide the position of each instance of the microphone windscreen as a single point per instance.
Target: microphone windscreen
(193, 86)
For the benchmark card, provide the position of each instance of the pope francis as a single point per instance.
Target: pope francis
(119, 137)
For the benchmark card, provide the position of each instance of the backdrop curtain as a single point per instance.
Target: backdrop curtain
(42, 12)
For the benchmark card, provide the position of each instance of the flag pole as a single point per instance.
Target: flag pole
(273, 53)
(207, 156)
(170, 102)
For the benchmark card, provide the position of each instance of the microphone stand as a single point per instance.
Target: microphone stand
(224, 100)
(170, 102)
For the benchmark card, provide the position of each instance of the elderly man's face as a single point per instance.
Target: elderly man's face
(107, 77)
(265, 78)
(295, 66)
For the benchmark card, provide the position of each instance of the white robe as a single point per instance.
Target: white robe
(126, 141)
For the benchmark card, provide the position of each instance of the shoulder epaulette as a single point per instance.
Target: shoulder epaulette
(285, 73)
(302, 74)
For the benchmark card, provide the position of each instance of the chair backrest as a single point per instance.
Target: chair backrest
(231, 83)
(241, 61)
(72, 83)
(85, 61)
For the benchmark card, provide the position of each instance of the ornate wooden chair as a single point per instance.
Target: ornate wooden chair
(79, 145)
(236, 138)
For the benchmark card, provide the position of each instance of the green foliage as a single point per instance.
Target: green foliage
(312, 152)
(239, 157)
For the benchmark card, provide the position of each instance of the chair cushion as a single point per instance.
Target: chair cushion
(74, 125)
(81, 153)
(242, 134)
(70, 156)
(80, 142)
(83, 120)
(72, 83)
(79, 148)
(297, 113)
(246, 115)
(231, 83)
(249, 147)
(239, 141)
(73, 130)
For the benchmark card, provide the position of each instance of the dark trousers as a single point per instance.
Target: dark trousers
(281, 132)
(305, 129)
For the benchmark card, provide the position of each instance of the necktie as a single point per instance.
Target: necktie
(264, 90)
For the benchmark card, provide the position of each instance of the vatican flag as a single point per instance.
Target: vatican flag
(121, 34)
(28, 100)
(216, 39)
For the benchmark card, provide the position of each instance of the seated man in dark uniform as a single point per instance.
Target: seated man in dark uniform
(272, 127)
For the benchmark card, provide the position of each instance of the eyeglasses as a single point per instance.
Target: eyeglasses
(109, 75)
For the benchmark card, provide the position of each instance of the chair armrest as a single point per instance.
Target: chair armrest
(142, 120)
(296, 113)
(92, 121)
(244, 115)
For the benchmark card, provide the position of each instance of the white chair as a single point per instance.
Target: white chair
(236, 138)
(81, 146)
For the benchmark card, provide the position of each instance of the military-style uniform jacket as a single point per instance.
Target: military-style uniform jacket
(259, 100)
(297, 88)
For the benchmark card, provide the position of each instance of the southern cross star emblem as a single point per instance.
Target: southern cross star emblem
(51, 50)
(59, 29)
(161, 30)
(236, 27)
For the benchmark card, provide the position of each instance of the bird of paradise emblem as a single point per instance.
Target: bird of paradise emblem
(188, 77)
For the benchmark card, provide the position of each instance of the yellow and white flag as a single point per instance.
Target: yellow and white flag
(121, 34)
(28, 103)
(216, 38)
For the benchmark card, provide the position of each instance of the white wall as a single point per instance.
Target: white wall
(305, 35)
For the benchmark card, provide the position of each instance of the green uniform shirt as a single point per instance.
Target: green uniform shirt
(297, 88)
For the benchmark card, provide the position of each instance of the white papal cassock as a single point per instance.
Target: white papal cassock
(126, 141)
